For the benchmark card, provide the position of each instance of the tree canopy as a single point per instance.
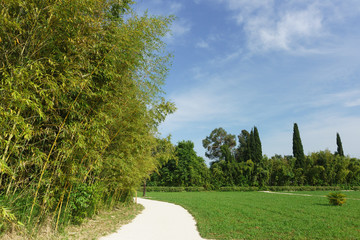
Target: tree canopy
(186, 169)
(246, 166)
(217, 138)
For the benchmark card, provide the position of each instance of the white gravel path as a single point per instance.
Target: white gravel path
(158, 221)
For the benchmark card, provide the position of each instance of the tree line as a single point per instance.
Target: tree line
(245, 165)
(80, 103)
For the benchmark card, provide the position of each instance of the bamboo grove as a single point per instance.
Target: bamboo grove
(80, 103)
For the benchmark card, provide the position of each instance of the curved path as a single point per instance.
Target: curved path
(158, 221)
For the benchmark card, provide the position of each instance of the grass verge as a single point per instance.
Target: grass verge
(106, 222)
(260, 215)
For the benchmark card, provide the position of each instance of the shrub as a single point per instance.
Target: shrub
(84, 202)
(336, 199)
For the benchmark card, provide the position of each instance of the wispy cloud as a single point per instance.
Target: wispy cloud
(295, 26)
(175, 7)
(292, 30)
(179, 28)
(345, 98)
(202, 44)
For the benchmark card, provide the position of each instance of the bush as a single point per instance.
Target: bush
(336, 199)
(84, 202)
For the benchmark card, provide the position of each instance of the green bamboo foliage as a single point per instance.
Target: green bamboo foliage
(81, 100)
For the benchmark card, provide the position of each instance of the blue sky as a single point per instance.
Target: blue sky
(244, 63)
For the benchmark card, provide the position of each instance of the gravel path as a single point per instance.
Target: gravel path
(158, 221)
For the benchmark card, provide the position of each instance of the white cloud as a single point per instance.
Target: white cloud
(223, 60)
(200, 104)
(354, 103)
(202, 44)
(346, 98)
(209, 40)
(278, 25)
(175, 7)
(292, 30)
(248, 6)
(178, 29)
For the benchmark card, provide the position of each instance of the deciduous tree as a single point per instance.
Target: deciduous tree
(217, 138)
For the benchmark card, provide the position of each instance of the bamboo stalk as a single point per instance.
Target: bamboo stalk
(68, 198)
(58, 218)
(9, 139)
(57, 136)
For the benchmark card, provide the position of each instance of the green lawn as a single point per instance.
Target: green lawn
(258, 215)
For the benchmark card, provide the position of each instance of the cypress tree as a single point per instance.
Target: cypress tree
(251, 145)
(243, 152)
(298, 150)
(255, 151)
(257, 146)
(340, 150)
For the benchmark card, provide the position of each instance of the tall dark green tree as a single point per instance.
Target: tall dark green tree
(249, 146)
(252, 145)
(340, 150)
(257, 150)
(255, 146)
(243, 151)
(298, 150)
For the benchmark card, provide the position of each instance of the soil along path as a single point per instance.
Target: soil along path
(158, 221)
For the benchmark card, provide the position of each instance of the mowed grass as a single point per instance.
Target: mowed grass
(260, 215)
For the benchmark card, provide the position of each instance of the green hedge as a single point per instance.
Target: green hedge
(282, 188)
(195, 189)
(173, 189)
(303, 188)
(238, 189)
(163, 189)
(249, 189)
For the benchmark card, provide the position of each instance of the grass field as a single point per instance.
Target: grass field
(260, 215)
